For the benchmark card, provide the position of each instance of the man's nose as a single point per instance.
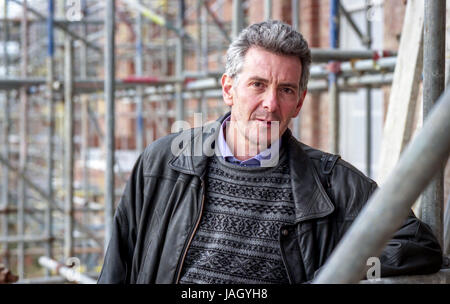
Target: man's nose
(270, 101)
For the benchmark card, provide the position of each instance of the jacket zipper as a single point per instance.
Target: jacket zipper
(192, 236)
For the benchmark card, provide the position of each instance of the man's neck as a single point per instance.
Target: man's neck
(241, 147)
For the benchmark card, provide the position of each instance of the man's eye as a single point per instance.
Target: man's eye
(257, 84)
(287, 90)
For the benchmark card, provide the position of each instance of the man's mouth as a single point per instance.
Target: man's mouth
(266, 122)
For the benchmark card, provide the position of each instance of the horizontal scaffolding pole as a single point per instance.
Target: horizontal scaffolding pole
(325, 55)
(85, 85)
(39, 251)
(16, 21)
(352, 83)
(33, 239)
(441, 277)
(345, 83)
(35, 210)
(25, 239)
(382, 65)
(195, 80)
(64, 271)
(212, 86)
(390, 205)
(43, 280)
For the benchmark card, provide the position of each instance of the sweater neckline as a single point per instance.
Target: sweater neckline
(253, 169)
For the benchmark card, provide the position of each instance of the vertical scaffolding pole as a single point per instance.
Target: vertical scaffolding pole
(164, 69)
(83, 45)
(333, 90)
(163, 104)
(84, 151)
(110, 112)
(198, 47)
(227, 37)
(58, 70)
(238, 19)
(148, 61)
(51, 128)
(85, 159)
(5, 139)
(368, 100)
(179, 102)
(23, 126)
(68, 143)
(295, 12)
(432, 201)
(164, 49)
(139, 89)
(296, 26)
(205, 40)
(204, 107)
(59, 58)
(199, 22)
(205, 58)
(267, 9)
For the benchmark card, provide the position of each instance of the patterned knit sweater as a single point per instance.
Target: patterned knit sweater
(237, 241)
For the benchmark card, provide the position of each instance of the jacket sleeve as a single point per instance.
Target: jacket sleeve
(117, 263)
(413, 250)
(118, 259)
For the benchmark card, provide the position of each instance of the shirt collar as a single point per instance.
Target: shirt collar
(227, 154)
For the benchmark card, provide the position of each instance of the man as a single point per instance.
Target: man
(228, 217)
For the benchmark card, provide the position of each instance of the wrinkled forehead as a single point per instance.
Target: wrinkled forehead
(263, 63)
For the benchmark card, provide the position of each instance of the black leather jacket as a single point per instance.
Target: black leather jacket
(161, 208)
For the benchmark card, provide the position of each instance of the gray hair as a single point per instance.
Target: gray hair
(273, 36)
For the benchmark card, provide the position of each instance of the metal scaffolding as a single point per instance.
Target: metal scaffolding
(391, 204)
(116, 75)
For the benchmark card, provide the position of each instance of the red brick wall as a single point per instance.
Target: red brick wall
(228, 10)
(255, 11)
(314, 22)
(314, 115)
(282, 10)
(394, 14)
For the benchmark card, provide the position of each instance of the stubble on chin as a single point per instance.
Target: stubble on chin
(250, 138)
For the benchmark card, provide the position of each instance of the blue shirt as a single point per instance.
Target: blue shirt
(227, 154)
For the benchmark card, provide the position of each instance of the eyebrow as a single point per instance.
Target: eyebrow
(283, 84)
(258, 79)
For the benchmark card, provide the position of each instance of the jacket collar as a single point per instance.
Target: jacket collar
(311, 200)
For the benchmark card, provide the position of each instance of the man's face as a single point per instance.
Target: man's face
(267, 90)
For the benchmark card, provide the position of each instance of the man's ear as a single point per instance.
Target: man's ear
(300, 103)
(227, 89)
